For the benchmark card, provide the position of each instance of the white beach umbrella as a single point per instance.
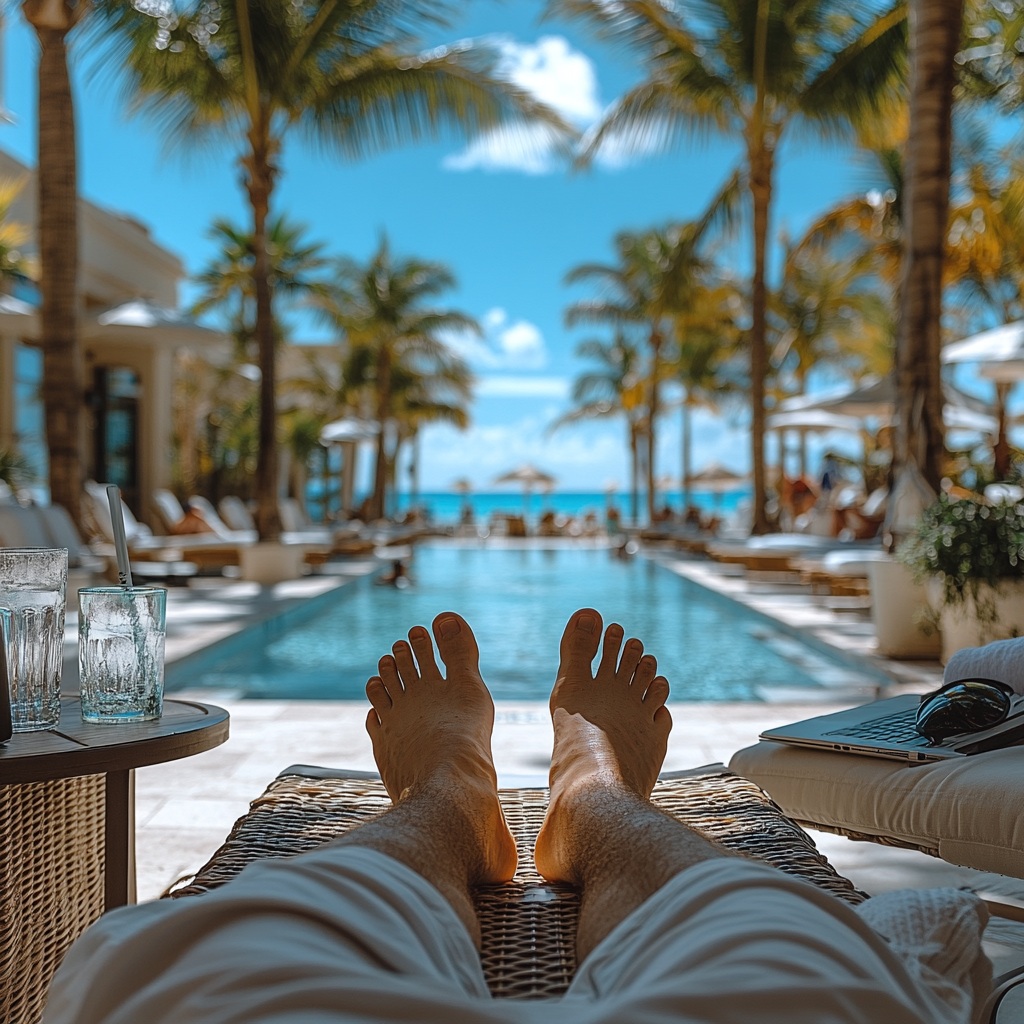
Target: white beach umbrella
(17, 318)
(140, 320)
(814, 420)
(348, 429)
(999, 351)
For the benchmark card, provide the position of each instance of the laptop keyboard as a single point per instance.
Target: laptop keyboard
(898, 728)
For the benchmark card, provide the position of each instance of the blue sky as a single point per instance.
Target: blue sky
(510, 224)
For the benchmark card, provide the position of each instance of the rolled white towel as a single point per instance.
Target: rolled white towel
(1002, 660)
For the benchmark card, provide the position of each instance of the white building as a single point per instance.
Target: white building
(130, 328)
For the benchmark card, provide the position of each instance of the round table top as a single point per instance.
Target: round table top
(84, 748)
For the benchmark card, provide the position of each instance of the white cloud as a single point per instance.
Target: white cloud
(523, 344)
(555, 74)
(516, 345)
(579, 459)
(508, 386)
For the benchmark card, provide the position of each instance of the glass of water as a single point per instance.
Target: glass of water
(33, 582)
(121, 634)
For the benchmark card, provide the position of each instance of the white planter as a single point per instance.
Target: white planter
(270, 562)
(899, 607)
(1002, 616)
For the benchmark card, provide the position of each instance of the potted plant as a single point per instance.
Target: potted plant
(971, 553)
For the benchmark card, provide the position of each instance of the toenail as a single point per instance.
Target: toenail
(449, 628)
(586, 623)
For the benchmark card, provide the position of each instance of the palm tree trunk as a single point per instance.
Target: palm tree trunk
(935, 27)
(380, 474)
(761, 193)
(1001, 449)
(652, 413)
(685, 445)
(58, 258)
(634, 471)
(260, 183)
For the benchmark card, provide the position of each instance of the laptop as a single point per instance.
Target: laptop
(886, 729)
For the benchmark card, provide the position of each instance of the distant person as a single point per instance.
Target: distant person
(379, 925)
(397, 577)
(830, 474)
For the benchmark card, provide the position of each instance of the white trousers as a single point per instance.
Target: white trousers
(350, 935)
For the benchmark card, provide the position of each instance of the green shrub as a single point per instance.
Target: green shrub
(965, 544)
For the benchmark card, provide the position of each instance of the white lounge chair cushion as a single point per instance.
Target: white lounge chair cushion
(967, 810)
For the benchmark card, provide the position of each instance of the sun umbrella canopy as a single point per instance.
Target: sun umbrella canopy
(527, 475)
(999, 351)
(144, 321)
(873, 397)
(715, 477)
(462, 486)
(956, 418)
(813, 420)
(18, 317)
(348, 430)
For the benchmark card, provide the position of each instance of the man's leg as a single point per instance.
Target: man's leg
(340, 933)
(601, 832)
(431, 739)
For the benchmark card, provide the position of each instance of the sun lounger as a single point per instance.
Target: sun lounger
(528, 925)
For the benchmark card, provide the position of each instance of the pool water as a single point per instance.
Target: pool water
(517, 601)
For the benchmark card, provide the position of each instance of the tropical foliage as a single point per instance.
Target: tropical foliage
(751, 69)
(346, 76)
(398, 369)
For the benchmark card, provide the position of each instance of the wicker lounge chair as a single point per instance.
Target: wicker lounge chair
(528, 925)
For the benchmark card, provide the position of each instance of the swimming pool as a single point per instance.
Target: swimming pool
(517, 601)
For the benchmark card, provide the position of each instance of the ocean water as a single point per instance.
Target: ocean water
(517, 602)
(446, 508)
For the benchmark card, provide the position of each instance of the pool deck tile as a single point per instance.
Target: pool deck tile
(849, 634)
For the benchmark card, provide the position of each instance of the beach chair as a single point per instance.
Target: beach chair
(168, 508)
(528, 925)
(235, 513)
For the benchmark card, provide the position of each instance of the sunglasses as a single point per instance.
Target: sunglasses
(968, 705)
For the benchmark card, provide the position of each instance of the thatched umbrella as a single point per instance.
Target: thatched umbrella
(714, 477)
(529, 477)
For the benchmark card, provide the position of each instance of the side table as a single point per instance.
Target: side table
(67, 844)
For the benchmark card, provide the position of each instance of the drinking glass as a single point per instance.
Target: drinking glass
(32, 586)
(121, 634)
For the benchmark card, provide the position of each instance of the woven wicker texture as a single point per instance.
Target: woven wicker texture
(528, 926)
(51, 883)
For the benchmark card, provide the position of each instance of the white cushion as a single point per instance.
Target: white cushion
(968, 810)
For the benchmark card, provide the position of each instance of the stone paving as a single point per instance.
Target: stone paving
(185, 809)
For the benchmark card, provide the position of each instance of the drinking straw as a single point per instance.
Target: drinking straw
(124, 569)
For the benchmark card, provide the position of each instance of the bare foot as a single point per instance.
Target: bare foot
(611, 731)
(432, 731)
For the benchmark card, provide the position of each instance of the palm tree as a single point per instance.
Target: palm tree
(15, 266)
(343, 74)
(657, 275)
(395, 344)
(707, 337)
(56, 177)
(227, 281)
(935, 39)
(439, 394)
(749, 68)
(829, 311)
(615, 388)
